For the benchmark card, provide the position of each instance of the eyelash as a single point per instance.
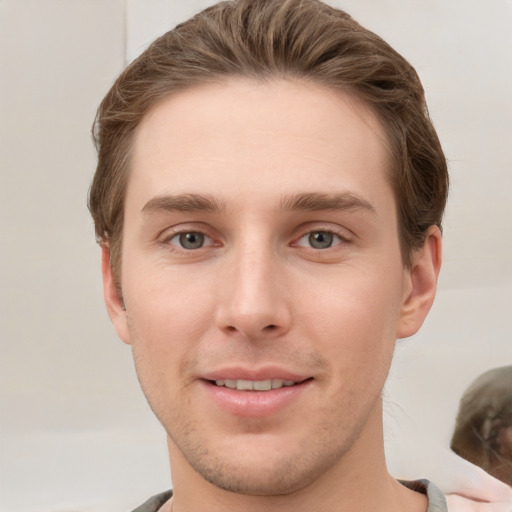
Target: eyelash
(330, 232)
(338, 239)
(180, 234)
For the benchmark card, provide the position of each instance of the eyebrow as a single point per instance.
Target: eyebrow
(314, 201)
(184, 203)
(307, 201)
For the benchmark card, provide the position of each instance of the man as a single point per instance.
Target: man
(268, 200)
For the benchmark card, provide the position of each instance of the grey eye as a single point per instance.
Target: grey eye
(321, 239)
(191, 240)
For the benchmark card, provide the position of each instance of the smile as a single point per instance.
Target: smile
(254, 385)
(255, 398)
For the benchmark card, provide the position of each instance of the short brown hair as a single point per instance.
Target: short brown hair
(265, 39)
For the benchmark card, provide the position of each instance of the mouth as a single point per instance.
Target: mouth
(255, 397)
(254, 385)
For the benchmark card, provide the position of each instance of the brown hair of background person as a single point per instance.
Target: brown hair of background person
(262, 40)
(483, 432)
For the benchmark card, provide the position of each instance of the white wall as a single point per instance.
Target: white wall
(66, 383)
(75, 430)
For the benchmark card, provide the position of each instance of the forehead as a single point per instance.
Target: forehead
(239, 140)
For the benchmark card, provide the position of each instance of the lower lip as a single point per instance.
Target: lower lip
(253, 404)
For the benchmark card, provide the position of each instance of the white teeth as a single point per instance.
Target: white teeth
(262, 385)
(244, 385)
(254, 385)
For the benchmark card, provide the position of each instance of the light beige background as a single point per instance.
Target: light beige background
(75, 431)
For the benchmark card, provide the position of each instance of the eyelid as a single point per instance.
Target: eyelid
(307, 245)
(344, 234)
(171, 232)
(206, 241)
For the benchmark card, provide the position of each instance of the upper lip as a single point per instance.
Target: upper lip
(259, 374)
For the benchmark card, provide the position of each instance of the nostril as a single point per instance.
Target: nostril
(252, 328)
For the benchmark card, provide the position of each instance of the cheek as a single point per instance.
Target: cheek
(352, 304)
(353, 318)
(166, 313)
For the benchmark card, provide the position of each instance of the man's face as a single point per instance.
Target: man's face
(262, 280)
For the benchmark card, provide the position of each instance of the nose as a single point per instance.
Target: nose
(253, 300)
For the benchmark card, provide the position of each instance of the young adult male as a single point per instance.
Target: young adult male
(268, 199)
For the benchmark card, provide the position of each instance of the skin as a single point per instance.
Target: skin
(261, 297)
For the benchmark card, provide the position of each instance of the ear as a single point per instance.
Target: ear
(421, 284)
(114, 302)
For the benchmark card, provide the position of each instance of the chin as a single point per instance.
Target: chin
(264, 471)
(276, 481)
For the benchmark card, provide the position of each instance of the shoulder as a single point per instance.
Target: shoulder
(154, 503)
(436, 498)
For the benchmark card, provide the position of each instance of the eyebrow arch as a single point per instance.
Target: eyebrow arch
(314, 201)
(184, 203)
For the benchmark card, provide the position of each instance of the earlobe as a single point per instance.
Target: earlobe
(113, 301)
(422, 284)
